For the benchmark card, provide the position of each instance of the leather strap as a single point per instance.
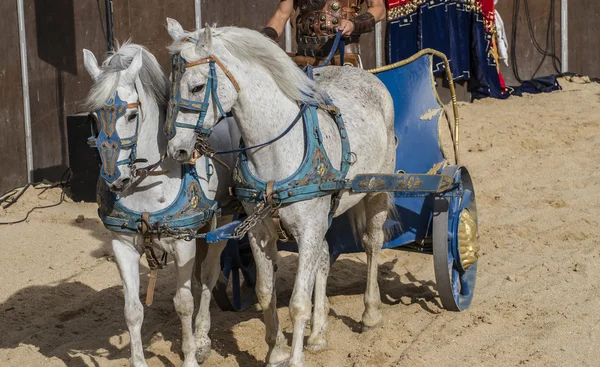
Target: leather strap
(283, 236)
(363, 23)
(218, 62)
(153, 262)
(270, 32)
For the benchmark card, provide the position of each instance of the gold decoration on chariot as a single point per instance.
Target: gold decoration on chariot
(468, 246)
(335, 6)
(322, 26)
(334, 21)
(372, 183)
(410, 183)
(322, 18)
(445, 183)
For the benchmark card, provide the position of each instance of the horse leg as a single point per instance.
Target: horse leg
(184, 256)
(376, 214)
(316, 341)
(264, 250)
(310, 234)
(210, 270)
(128, 263)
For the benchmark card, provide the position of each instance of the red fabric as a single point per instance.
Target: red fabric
(394, 3)
(487, 8)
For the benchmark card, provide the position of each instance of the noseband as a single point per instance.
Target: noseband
(176, 102)
(107, 139)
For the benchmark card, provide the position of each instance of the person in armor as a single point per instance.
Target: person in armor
(318, 22)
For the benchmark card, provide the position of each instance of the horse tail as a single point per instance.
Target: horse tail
(357, 217)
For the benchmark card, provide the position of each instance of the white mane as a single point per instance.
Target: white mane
(252, 47)
(152, 76)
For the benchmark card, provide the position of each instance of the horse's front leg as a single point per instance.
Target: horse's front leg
(309, 230)
(128, 262)
(318, 327)
(209, 258)
(184, 254)
(264, 249)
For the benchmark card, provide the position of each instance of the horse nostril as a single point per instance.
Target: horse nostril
(125, 182)
(181, 155)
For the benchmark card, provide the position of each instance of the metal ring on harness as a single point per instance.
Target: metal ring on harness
(352, 158)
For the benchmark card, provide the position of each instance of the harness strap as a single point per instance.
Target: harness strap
(283, 236)
(223, 67)
(329, 108)
(153, 262)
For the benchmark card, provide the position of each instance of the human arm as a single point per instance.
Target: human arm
(364, 23)
(276, 24)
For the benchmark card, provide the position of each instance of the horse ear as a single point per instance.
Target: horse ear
(206, 44)
(175, 29)
(91, 64)
(134, 68)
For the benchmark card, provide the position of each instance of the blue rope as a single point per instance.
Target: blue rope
(289, 128)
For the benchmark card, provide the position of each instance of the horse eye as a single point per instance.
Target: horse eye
(197, 88)
(132, 117)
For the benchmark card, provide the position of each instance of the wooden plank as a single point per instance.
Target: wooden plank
(145, 22)
(13, 163)
(584, 44)
(528, 58)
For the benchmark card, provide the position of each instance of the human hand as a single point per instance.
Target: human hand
(347, 27)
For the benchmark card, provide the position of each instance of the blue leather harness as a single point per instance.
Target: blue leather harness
(190, 210)
(315, 177)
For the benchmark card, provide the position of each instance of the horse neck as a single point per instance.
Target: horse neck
(154, 192)
(151, 143)
(263, 112)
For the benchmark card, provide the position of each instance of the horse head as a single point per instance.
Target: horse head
(203, 91)
(118, 100)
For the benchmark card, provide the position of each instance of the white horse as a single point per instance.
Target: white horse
(262, 86)
(134, 75)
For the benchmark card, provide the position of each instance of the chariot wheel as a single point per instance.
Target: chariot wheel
(455, 246)
(234, 290)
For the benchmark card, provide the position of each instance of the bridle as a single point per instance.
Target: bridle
(176, 102)
(107, 139)
(109, 143)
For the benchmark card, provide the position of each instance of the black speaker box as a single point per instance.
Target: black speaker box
(84, 160)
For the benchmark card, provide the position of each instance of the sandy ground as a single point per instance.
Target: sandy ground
(535, 163)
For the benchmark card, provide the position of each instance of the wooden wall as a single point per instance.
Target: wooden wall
(584, 44)
(58, 30)
(584, 40)
(13, 171)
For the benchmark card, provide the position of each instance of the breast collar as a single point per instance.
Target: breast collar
(315, 177)
(190, 210)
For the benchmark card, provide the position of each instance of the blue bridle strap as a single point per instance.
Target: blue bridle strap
(338, 43)
(108, 142)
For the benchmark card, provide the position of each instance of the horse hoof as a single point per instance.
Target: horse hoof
(316, 346)
(279, 364)
(203, 351)
(367, 328)
(202, 355)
